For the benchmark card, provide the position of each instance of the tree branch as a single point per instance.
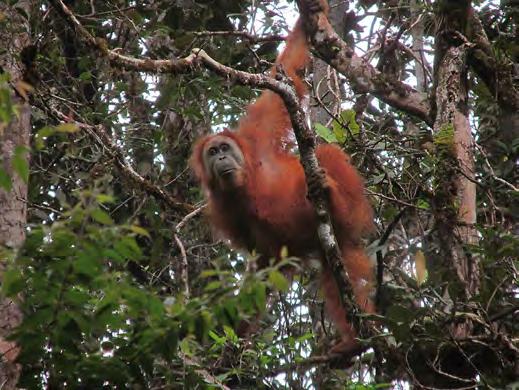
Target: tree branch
(240, 34)
(363, 77)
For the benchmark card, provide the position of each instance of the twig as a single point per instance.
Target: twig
(241, 34)
(309, 362)
(492, 173)
(184, 270)
(184, 274)
(206, 375)
(192, 214)
(401, 202)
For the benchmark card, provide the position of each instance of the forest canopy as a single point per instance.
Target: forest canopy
(110, 273)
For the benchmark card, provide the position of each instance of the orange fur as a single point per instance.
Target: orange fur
(271, 209)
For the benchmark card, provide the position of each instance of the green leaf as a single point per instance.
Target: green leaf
(423, 204)
(67, 128)
(101, 216)
(185, 346)
(399, 314)
(260, 296)
(155, 307)
(347, 119)
(139, 230)
(348, 116)
(5, 180)
(87, 264)
(20, 163)
(339, 132)
(325, 133)
(277, 280)
(230, 333)
(6, 104)
(12, 282)
(214, 285)
(219, 340)
(128, 248)
(103, 198)
(85, 76)
(42, 134)
(76, 297)
(112, 255)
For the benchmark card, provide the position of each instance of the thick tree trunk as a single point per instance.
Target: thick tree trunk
(457, 223)
(456, 208)
(451, 263)
(13, 209)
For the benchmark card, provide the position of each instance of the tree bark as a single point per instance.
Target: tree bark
(458, 216)
(13, 207)
(454, 207)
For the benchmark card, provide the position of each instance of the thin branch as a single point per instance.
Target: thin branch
(398, 201)
(332, 359)
(241, 34)
(203, 373)
(491, 170)
(184, 266)
(503, 313)
(184, 274)
(192, 214)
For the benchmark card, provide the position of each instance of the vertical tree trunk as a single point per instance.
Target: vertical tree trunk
(456, 216)
(13, 209)
(454, 206)
(458, 227)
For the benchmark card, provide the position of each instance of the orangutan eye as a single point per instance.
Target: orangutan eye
(212, 151)
(224, 147)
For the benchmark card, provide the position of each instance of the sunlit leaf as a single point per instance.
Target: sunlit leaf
(139, 230)
(104, 198)
(420, 266)
(325, 133)
(277, 280)
(68, 127)
(101, 216)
